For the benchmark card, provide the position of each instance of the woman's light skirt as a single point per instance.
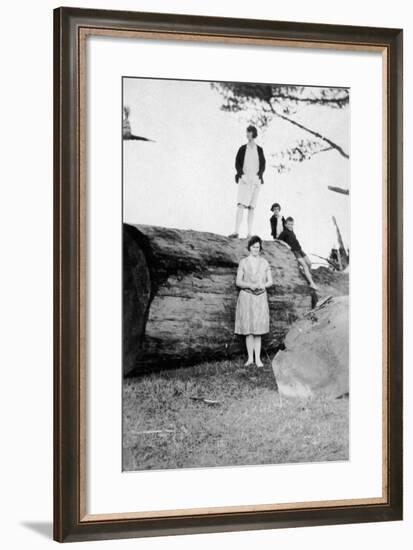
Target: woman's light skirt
(252, 315)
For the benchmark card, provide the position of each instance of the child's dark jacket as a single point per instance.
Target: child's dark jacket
(289, 237)
(274, 224)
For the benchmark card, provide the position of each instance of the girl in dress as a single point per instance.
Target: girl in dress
(252, 317)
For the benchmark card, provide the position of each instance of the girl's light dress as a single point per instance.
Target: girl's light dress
(252, 314)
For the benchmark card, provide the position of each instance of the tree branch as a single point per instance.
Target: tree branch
(313, 100)
(339, 190)
(312, 132)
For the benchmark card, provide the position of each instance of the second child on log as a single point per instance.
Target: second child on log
(252, 317)
(287, 236)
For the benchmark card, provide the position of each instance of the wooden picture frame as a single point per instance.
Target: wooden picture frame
(71, 27)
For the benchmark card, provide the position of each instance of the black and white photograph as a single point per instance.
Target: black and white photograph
(236, 259)
(206, 249)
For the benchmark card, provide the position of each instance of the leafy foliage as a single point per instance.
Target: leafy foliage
(266, 100)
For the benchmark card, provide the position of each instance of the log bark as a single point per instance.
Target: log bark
(179, 297)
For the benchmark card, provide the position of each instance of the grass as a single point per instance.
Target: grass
(164, 428)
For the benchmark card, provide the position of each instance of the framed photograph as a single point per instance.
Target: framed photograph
(227, 274)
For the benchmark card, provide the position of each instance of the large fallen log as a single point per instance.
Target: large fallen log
(179, 296)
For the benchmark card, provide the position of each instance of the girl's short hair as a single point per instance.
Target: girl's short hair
(253, 130)
(289, 219)
(254, 240)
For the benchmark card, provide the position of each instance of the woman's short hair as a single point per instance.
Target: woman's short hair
(253, 130)
(254, 240)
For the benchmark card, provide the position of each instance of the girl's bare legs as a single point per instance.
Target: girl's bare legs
(257, 350)
(249, 340)
(305, 265)
(238, 220)
(250, 220)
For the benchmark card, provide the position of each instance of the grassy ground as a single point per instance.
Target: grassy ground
(164, 427)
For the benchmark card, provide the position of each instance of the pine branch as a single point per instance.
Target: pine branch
(302, 150)
(335, 101)
(312, 132)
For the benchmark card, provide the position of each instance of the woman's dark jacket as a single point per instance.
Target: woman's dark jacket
(239, 162)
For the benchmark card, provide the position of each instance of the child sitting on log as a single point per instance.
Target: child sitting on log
(277, 221)
(287, 236)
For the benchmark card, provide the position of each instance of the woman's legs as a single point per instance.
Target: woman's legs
(253, 346)
(249, 340)
(257, 350)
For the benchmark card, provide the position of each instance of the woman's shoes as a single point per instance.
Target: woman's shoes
(259, 364)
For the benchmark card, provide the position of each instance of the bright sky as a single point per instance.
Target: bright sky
(186, 178)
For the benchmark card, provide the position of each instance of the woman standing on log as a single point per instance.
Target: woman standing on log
(250, 166)
(252, 317)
